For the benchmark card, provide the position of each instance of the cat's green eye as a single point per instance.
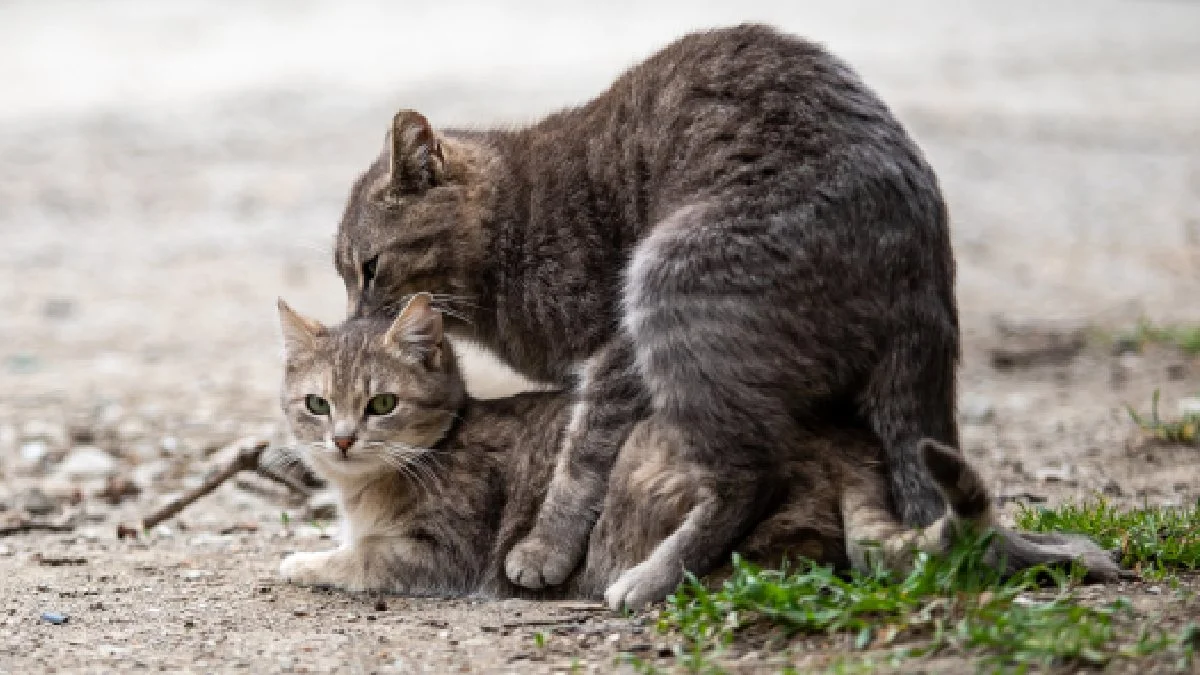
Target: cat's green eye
(381, 404)
(316, 405)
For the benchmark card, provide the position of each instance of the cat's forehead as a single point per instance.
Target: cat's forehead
(357, 350)
(365, 222)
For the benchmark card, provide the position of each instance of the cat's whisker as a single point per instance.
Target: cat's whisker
(408, 464)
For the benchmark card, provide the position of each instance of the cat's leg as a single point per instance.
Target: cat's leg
(339, 568)
(731, 355)
(678, 505)
(911, 396)
(392, 564)
(610, 400)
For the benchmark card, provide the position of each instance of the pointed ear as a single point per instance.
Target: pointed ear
(299, 332)
(418, 330)
(416, 160)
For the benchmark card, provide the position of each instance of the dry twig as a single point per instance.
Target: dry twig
(247, 459)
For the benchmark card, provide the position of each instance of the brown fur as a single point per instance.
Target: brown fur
(737, 239)
(436, 513)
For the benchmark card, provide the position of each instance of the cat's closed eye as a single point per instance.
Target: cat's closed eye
(369, 269)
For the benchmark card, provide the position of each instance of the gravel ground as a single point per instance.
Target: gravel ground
(167, 171)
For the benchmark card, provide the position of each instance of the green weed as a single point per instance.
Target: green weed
(953, 603)
(1183, 430)
(1154, 541)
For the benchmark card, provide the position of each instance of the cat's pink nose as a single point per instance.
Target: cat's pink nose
(343, 443)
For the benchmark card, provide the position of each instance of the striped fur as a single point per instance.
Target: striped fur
(435, 494)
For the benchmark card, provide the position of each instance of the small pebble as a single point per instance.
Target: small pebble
(88, 462)
(975, 409)
(1053, 474)
(55, 618)
(33, 452)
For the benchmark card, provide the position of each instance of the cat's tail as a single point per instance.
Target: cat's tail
(875, 536)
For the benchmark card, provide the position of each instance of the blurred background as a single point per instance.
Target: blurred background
(167, 169)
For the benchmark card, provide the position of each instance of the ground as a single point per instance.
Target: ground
(165, 174)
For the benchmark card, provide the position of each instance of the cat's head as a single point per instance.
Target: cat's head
(412, 222)
(369, 395)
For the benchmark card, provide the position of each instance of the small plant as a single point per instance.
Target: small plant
(1183, 430)
(948, 603)
(1186, 338)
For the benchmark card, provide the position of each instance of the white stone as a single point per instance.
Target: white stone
(88, 461)
(1189, 406)
(976, 409)
(1054, 474)
(33, 452)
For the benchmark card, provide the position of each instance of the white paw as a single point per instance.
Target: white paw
(533, 563)
(647, 582)
(306, 568)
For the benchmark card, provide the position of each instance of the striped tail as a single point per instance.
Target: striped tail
(875, 537)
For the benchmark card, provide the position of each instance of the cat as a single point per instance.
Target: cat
(434, 487)
(737, 240)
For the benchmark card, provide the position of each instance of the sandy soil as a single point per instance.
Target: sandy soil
(166, 173)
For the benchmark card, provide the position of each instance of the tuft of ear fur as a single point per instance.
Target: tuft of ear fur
(416, 161)
(417, 331)
(299, 332)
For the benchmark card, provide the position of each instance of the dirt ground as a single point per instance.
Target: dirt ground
(162, 182)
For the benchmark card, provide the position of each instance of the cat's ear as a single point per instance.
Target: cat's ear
(415, 159)
(299, 332)
(417, 332)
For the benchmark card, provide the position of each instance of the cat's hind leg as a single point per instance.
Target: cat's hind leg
(610, 401)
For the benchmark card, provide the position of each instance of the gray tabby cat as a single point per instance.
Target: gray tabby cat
(435, 487)
(736, 241)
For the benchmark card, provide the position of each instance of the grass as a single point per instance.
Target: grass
(951, 604)
(1186, 338)
(1153, 541)
(1182, 430)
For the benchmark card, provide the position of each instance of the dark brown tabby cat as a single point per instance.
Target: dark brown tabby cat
(736, 241)
(435, 487)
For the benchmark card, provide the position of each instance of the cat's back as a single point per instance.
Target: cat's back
(520, 424)
(747, 109)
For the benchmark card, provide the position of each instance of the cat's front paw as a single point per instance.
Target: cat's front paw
(307, 569)
(645, 583)
(535, 563)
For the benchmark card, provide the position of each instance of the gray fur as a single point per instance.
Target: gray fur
(738, 228)
(434, 494)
